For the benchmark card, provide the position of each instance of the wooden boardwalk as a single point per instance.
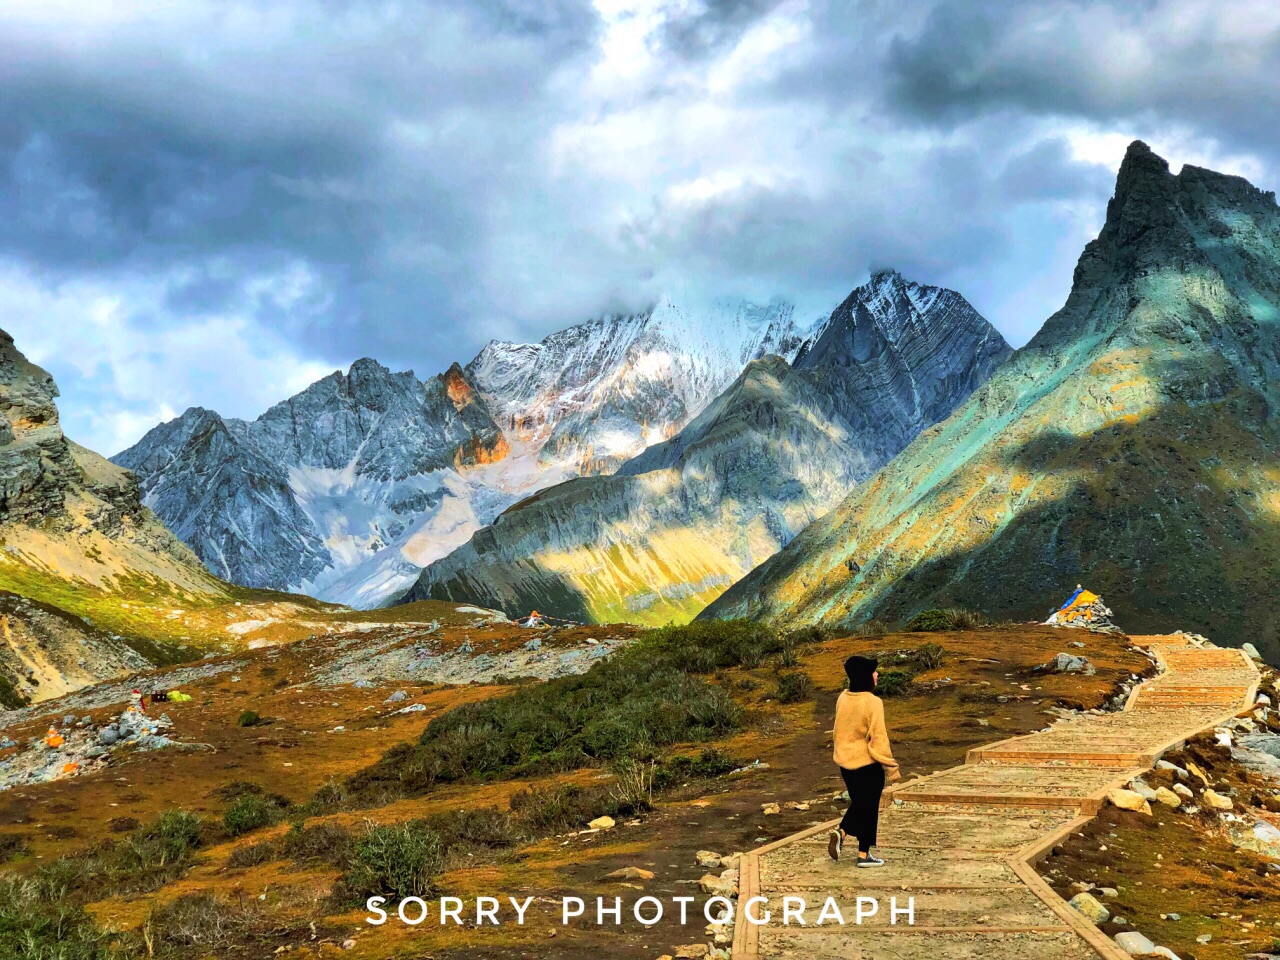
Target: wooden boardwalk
(961, 844)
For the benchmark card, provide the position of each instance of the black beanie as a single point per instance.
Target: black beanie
(859, 671)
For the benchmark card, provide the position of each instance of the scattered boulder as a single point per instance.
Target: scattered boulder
(1139, 786)
(1090, 908)
(1128, 800)
(1134, 943)
(534, 644)
(602, 823)
(707, 858)
(630, 873)
(692, 951)
(715, 886)
(1168, 797)
(1251, 650)
(1067, 663)
(397, 697)
(1197, 773)
(1173, 768)
(1215, 800)
(768, 809)
(1183, 791)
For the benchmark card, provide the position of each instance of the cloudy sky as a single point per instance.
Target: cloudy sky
(216, 203)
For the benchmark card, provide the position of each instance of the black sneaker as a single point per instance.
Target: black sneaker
(870, 861)
(834, 844)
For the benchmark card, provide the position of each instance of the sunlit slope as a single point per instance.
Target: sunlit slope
(677, 524)
(1132, 445)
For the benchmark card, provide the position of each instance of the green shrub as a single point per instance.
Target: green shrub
(950, 618)
(929, 656)
(253, 855)
(633, 784)
(711, 762)
(332, 795)
(482, 828)
(395, 860)
(197, 920)
(34, 926)
(328, 842)
(249, 718)
(808, 635)
(167, 842)
(250, 812)
(704, 646)
(787, 659)
(11, 845)
(648, 696)
(11, 698)
(893, 683)
(794, 687)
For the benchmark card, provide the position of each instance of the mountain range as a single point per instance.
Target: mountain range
(675, 525)
(348, 489)
(1131, 445)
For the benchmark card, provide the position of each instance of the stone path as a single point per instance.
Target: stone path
(961, 844)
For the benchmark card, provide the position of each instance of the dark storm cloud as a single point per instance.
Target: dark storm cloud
(363, 145)
(712, 25)
(1208, 65)
(309, 181)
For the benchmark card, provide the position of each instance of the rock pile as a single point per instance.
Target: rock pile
(77, 746)
(1085, 610)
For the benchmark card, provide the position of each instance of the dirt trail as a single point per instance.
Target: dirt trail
(962, 842)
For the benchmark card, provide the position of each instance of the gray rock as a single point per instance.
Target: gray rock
(1139, 786)
(1134, 943)
(108, 735)
(1251, 650)
(1068, 663)
(397, 697)
(1093, 911)
(534, 644)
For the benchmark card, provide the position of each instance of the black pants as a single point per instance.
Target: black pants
(863, 816)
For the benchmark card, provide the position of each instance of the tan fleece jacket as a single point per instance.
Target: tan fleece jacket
(860, 734)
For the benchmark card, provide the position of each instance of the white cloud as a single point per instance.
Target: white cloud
(121, 371)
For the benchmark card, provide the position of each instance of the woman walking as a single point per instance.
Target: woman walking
(866, 763)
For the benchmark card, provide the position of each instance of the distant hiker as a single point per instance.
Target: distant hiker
(862, 753)
(137, 701)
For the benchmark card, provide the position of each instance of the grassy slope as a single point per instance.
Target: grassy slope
(932, 727)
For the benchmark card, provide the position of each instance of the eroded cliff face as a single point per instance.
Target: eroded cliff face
(348, 489)
(1131, 445)
(64, 509)
(69, 521)
(687, 517)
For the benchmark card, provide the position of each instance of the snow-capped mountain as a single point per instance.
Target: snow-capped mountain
(348, 489)
(675, 525)
(595, 394)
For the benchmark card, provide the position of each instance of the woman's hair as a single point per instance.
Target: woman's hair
(859, 671)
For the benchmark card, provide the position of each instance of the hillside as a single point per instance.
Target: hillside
(334, 753)
(346, 490)
(77, 543)
(665, 535)
(1132, 444)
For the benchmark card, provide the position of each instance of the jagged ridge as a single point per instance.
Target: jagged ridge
(690, 515)
(346, 490)
(1131, 444)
